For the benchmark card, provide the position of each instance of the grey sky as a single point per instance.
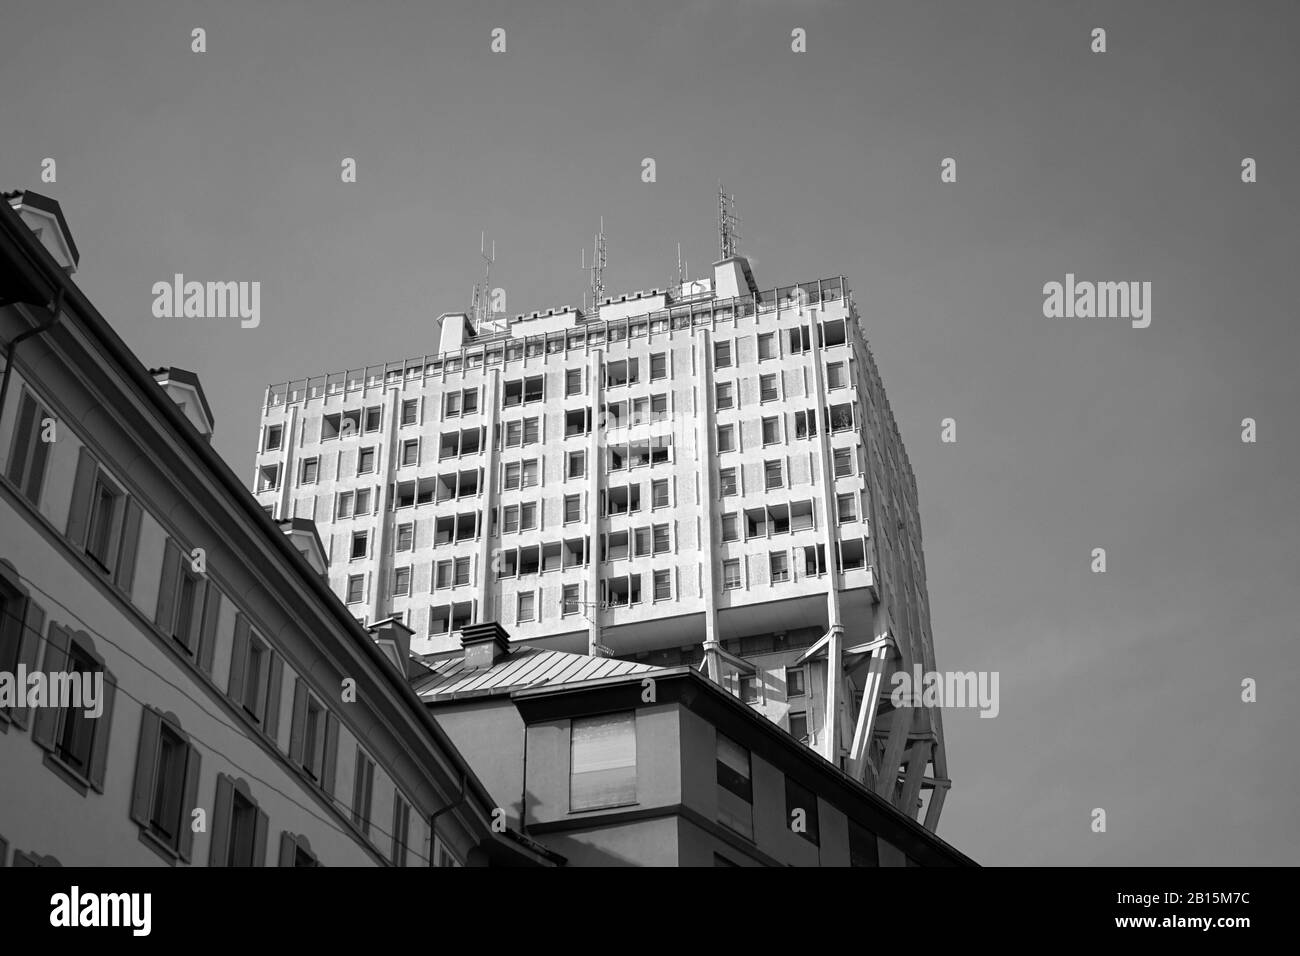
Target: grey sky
(1119, 691)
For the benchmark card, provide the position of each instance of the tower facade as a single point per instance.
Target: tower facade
(707, 475)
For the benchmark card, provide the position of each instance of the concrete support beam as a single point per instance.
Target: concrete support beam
(866, 723)
(918, 759)
(898, 731)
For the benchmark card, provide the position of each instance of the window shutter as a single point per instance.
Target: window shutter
(331, 753)
(125, 576)
(193, 762)
(82, 488)
(288, 848)
(271, 721)
(146, 763)
(298, 727)
(103, 727)
(27, 413)
(171, 570)
(32, 640)
(221, 821)
(46, 721)
(238, 660)
(208, 634)
(259, 840)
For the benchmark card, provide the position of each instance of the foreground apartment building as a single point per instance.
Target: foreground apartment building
(707, 476)
(246, 718)
(617, 763)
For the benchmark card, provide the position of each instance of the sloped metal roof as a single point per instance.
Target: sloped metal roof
(525, 667)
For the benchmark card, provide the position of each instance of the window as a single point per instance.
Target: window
(726, 438)
(531, 431)
(363, 791)
(658, 366)
(730, 528)
(460, 572)
(356, 592)
(513, 471)
(731, 574)
(621, 372)
(166, 783)
(268, 478)
(835, 375)
(577, 421)
(188, 606)
(102, 539)
(451, 405)
(310, 471)
(77, 745)
(641, 542)
(442, 575)
(602, 761)
(794, 678)
(846, 507)
(662, 544)
(779, 564)
(721, 354)
(239, 826)
(469, 401)
(799, 341)
(735, 787)
(727, 482)
(772, 475)
(366, 461)
(330, 426)
(663, 585)
(771, 431)
(722, 392)
(659, 493)
(313, 744)
(569, 599)
(749, 688)
(411, 411)
(274, 437)
(767, 390)
(799, 726)
(410, 452)
(801, 811)
(766, 346)
(362, 505)
(295, 851)
(401, 830)
(374, 415)
(841, 417)
(843, 462)
(405, 536)
(256, 673)
(572, 508)
(814, 560)
(402, 581)
(31, 451)
(832, 333)
(577, 467)
(514, 434)
(360, 545)
(525, 606)
(573, 382)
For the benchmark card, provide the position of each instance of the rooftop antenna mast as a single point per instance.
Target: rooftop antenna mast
(728, 224)
(482, 304)
(597, 270)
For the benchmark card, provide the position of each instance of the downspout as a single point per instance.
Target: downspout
(433, 817)
(54, 308)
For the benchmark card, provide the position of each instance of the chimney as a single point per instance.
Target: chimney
(484, 645)
(44, 217)
(394, 639)
(184, 389)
